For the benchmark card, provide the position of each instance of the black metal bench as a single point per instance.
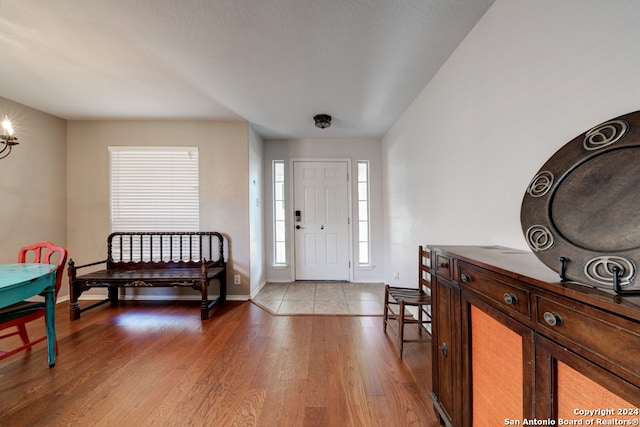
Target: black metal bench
(155, 259)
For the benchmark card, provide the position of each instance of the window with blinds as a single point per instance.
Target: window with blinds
(154, 189)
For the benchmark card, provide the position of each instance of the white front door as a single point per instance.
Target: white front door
(321, 199)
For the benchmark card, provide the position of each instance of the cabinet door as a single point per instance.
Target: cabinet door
(569, 387)
(498, 355)
(446, 374)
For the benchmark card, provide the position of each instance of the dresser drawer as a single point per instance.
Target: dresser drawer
(444, 267)
(505, 293)
(613, 339)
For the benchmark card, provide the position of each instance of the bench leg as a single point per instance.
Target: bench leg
(204, 310)
(223, 286)
(204, 304)
(74, 310)
(113, 295)
(74, 307)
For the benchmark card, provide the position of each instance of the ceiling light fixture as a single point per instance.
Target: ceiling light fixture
(322, 120)
(7, 138)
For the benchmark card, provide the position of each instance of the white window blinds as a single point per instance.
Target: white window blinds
(154, 189)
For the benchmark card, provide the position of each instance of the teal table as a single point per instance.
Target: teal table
(21, 281)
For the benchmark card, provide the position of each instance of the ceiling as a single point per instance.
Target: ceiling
(274, 63)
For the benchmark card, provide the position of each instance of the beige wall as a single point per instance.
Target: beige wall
(531, 76)
(33, 182)
(224, 174)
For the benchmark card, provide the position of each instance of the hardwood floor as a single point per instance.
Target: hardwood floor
(152, 364)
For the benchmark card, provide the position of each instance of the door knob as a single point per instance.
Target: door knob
(298, 227)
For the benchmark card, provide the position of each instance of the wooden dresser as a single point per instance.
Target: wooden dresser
(513, 345)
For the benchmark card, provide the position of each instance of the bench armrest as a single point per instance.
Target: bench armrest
(210, 264)
(73, 268)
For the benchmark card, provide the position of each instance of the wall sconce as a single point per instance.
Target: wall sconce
(322, 120)
(7, 138)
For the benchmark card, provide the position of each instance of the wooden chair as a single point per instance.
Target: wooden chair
(19, 314)
(397, 299)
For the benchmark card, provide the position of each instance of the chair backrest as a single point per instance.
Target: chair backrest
(424, 269)
(45, 253)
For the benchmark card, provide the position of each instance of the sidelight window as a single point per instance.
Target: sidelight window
(279, 229)
(364, 232)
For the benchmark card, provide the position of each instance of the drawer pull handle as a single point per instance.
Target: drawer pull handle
(510, 298)
(553, 319)
(465, 278)
(444, 349)
(444, 265)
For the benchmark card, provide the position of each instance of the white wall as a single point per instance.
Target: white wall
(531, 76)
(355, 149)
(224, 184)
(257, 274)
(33, 182)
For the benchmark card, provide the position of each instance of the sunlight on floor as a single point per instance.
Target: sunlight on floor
(148, 322)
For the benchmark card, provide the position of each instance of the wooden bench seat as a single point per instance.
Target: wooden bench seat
(171, 277)
(154, 259)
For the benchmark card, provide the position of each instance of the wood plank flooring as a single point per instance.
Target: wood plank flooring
(158, 364)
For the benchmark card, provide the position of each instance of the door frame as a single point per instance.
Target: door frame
(350, 208)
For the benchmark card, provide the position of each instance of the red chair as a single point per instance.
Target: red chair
(19, 314)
